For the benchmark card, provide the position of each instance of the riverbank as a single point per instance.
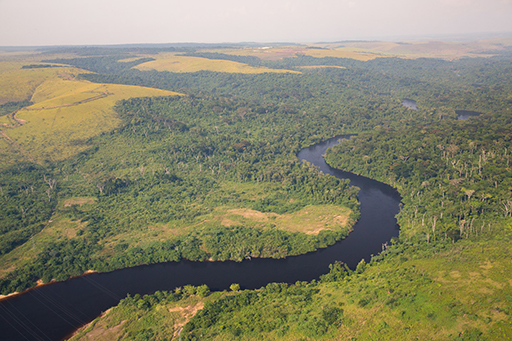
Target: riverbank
(86, 297)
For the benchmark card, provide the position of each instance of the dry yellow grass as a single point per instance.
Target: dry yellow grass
(17, 84)
(309, 220)
(66, 114)
(264, 53)
(173, 63)
(278, 53)
(427, 49)
(343, 53)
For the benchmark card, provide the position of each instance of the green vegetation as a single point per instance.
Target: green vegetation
(454, 176)
(416, 292)
(10, 107)
(151, 317)
(26, 204)
(214, 175)
(446, 292)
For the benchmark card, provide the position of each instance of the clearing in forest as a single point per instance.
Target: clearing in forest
(66, 113)
(279, 53)
(175, 63)
(310, 220)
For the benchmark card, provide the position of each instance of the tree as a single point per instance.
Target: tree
(203, 290)
(234, 287)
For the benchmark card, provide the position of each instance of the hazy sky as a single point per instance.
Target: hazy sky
(72, 22)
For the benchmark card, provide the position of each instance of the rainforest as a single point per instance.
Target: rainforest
(122, 157)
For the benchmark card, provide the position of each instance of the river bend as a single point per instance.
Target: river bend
(52, 312)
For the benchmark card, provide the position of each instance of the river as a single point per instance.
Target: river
(465, 114)
(53, 311)
(409, 103)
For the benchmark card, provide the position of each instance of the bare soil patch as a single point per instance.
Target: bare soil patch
(186, 313)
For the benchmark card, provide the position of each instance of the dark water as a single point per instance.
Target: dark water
(409, 103)
(54, 311)
(465, 114)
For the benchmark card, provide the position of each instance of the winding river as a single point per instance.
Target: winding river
(52, 312)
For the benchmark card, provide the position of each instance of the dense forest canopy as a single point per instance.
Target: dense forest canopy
(170, 182)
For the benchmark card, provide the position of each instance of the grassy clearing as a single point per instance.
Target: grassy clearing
(128, 321)
(18, 84)
(342, 53)
(67, 113)
(278, 53)
(432, 297)
(173, 63)
(59, 227)
(264, 53)
(309, 220)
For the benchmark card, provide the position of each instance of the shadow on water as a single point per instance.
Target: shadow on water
(54, 311)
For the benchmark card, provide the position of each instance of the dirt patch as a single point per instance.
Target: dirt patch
(8, 295)
(494, 283)
(100, 332)
(186, 313)
(253, 215)
(455, 274)
(486, 291)
(228, 222)
(487, 266)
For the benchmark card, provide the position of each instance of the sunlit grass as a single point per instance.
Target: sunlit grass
(310, 220)
(67, 113)
(278, 53)
(174, 63)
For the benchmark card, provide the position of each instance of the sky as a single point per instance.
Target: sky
(99, 22)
